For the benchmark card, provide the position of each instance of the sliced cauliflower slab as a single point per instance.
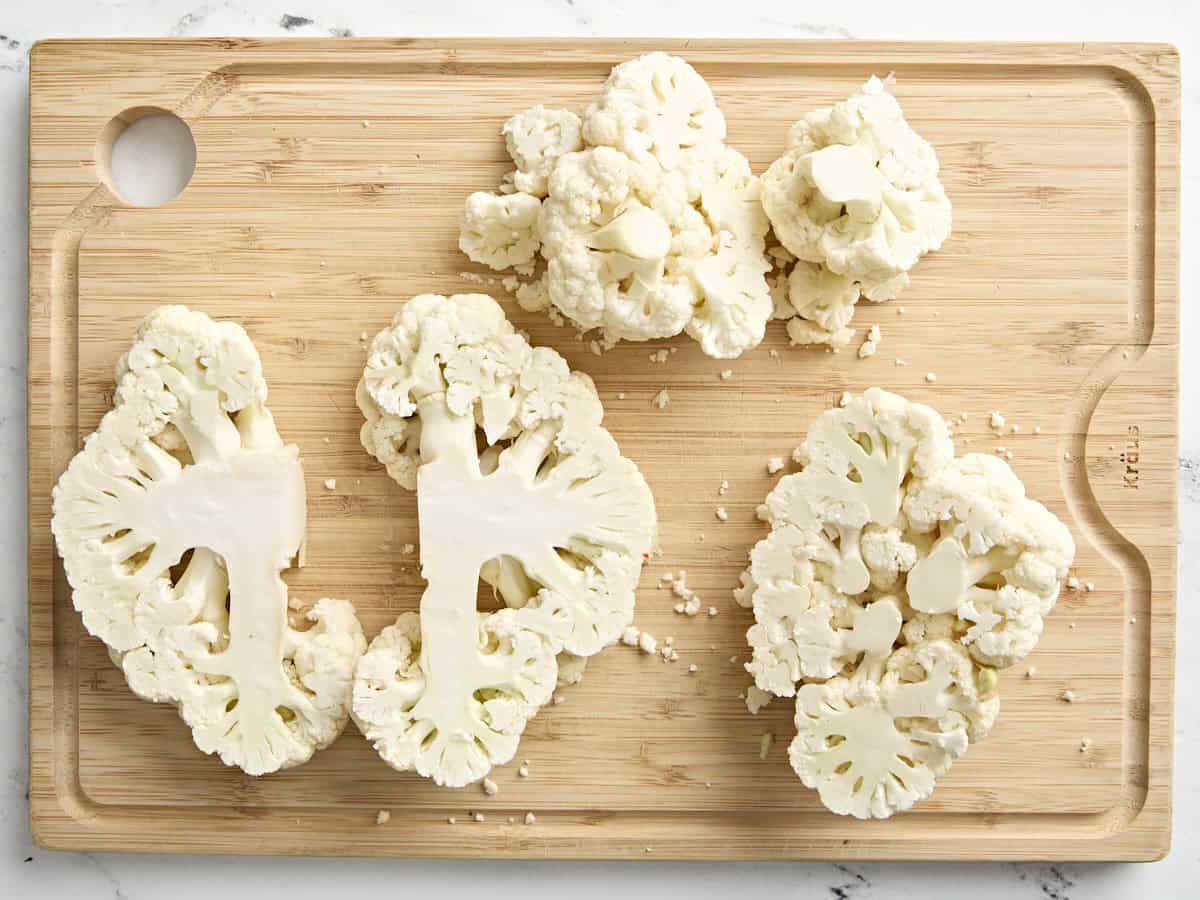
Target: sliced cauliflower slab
(649, 223)
(894, 582)
(518, 485)
(857, 199)
(174, 522)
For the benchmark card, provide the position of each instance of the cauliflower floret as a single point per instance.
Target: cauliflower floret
(654, 108)
(606, 247)
(894, 581)
(820, 305)
(649, 226)
(734, 300)
(548, 513)
(857, 193)
(500, 230)
(535, 139)
(188, 474)
(998, 560)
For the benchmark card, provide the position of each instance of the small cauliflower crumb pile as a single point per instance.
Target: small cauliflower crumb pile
(857, 200)
(649, 224)
(896, 580)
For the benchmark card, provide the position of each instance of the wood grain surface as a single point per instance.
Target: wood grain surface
(328, 181)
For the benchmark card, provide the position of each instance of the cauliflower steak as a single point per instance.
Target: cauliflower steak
(517, 484)
(174, 522)
(894, 582)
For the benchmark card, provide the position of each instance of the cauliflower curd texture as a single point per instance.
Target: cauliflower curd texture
(896, 579)
(857, 200)
(649, 224)
(174, 522)
(517, 484)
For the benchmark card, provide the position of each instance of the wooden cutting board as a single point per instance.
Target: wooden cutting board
(329, 178)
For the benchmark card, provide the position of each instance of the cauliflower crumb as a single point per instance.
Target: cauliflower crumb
(1085, 745)
(723, 488)
(765, 743)
(774, 465)
(712, 611)
(900, 310)
(900, 362)
(326, 440)
(726, 374)
(843, 401)
(1071, 626)
(330, 484)
(511, 820)
(595, 347)
(1008, 454)
(1072, 583)
(1031, 671)
(931, 377)
(1037, 429)
(1014, 428)
(647, 643)
(408, 549)
(621, 395)
(871, 344)
(510, 283)
(1089, 586)
(773, 353)
(693, 668)
(661, 399)
(1067, 696)
(630, 636)
(490, 787)
(558, 700)
(996, 421)
(659, 356)
(530, 818)
(523, 772)
(1133, 620)
(756, 699)
(382, 817)
(362, 335)
(722, 514)
(478, 817)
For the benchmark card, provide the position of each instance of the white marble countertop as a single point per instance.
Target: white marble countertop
(29, 872)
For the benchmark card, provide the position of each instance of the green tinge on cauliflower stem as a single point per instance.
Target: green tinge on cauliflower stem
(649, 224)
(518, 485)
(174, 522)
(895, 581)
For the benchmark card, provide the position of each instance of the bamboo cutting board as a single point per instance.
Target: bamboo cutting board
(327, 186)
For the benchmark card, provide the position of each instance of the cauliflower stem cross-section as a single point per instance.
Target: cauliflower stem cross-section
(188, 474)
(896, 579)
(517, 484)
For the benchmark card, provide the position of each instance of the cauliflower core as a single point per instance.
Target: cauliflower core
(518, 485)
(650, 225)
(857, 199)
(174, 522)
(896, 579)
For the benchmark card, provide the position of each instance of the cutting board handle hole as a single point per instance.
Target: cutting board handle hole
(146, 156)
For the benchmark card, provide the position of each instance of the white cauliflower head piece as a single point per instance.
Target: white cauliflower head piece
(535, 140)
(500, 230)
(894, 582)
(998, 559)
(549, 513)
(654, 108)
(872, 748)
(650, 224)
(857, 193)
(187, 474)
